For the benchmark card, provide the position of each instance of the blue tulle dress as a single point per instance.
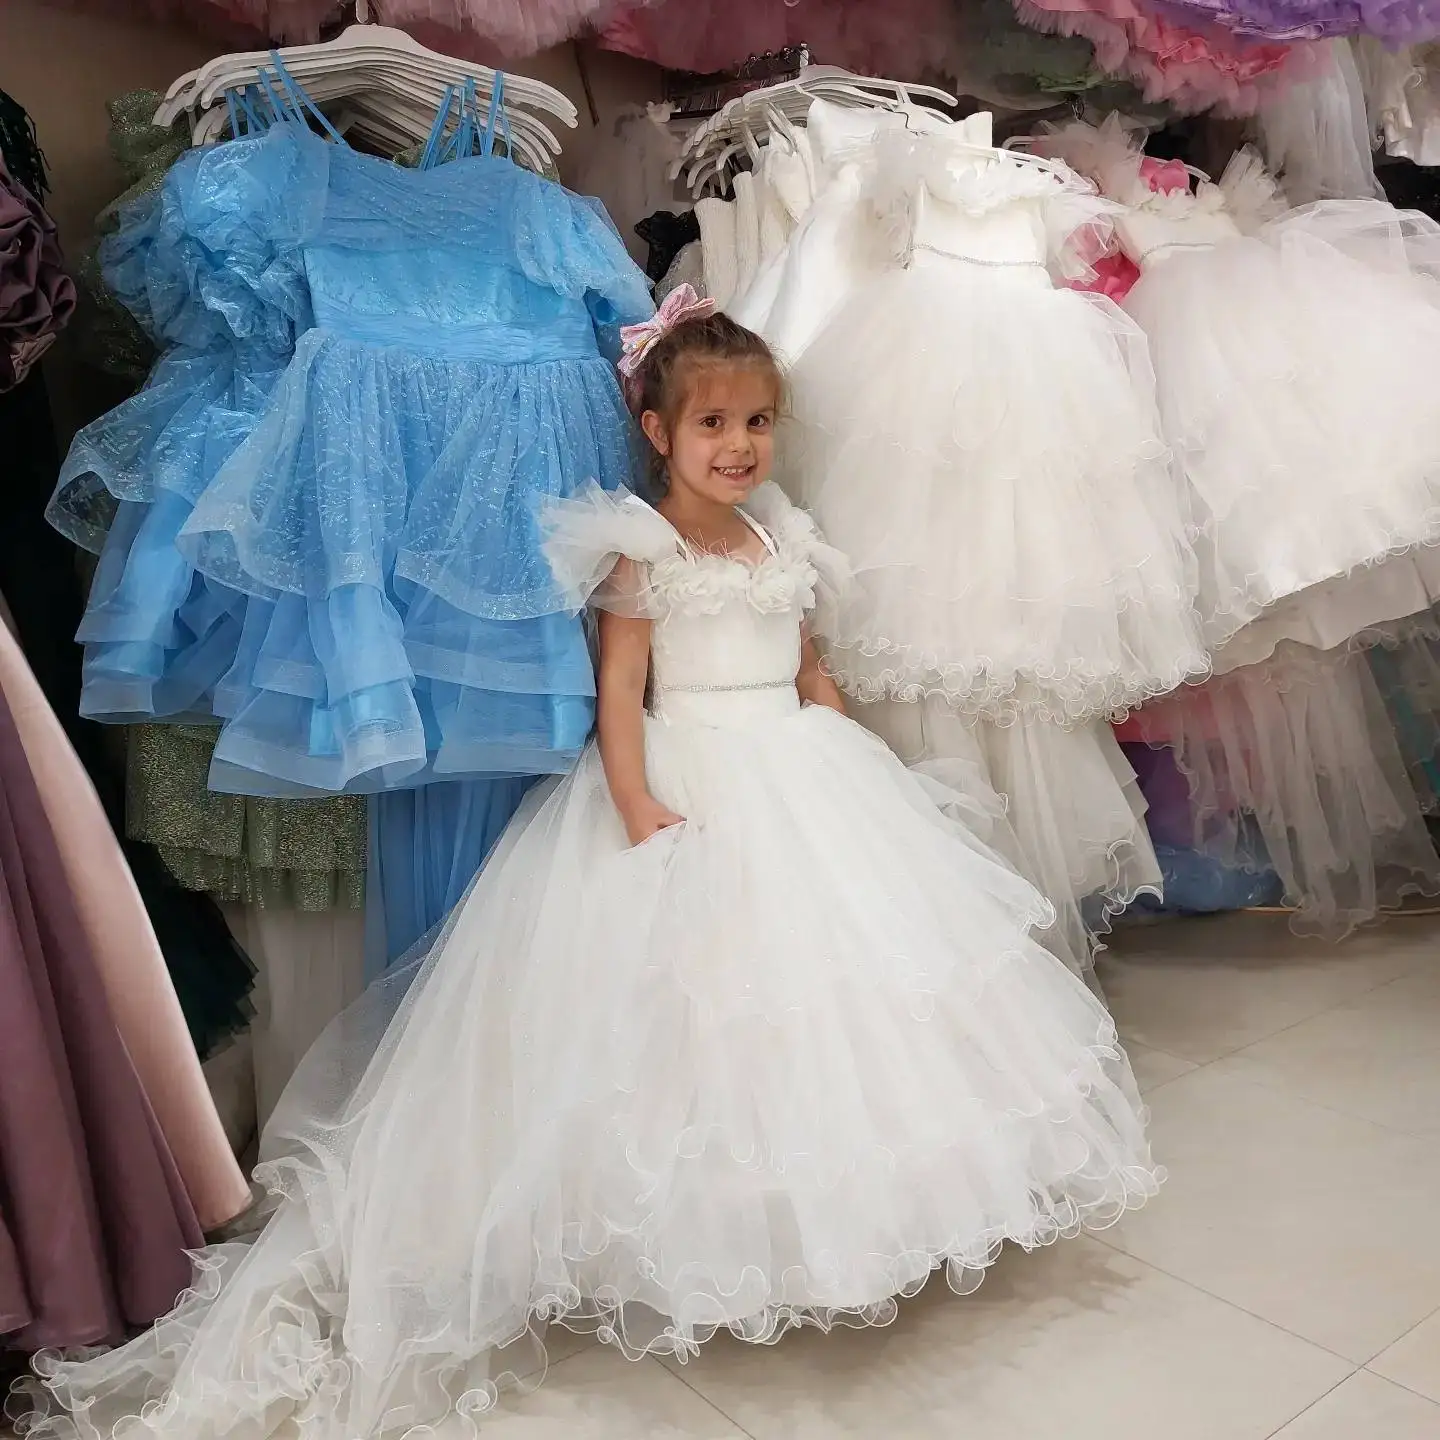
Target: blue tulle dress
(317, 520)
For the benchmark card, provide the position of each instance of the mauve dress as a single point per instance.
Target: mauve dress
(94, 1220)
(132, 968)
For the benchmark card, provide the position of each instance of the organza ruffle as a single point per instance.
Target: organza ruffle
(589, 539)
(907, 40)
(1406, 666)
(1301, 750)
(1191, 67)
(810, 1101)
(1292, 388)
(1019, 542)
(329, 542)
(1071, 817)
(1397, 22)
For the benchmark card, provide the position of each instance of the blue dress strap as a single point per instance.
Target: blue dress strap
(430, 155)
(301, 104)
(465, 131)
(247, 110)
(497, 111)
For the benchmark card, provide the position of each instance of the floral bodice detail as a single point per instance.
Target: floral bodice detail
(719, 620)
(782, 579)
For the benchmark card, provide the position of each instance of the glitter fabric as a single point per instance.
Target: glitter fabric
(109, 336)
(291, 854)
(324, 499)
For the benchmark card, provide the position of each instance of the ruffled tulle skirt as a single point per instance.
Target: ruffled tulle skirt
(770, 1068)
(1002, 491)
(1067, 810)
(1295, 764)
(342, 562)
(1294, 382)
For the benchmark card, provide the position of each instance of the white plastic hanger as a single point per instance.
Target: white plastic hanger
(777, 108)
(391, 87)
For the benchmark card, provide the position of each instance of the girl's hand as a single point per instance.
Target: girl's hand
(648, 817)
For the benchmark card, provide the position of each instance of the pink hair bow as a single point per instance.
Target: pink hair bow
(637, 341)
(1168, 177)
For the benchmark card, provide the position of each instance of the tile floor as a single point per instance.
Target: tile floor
(1285, 1284)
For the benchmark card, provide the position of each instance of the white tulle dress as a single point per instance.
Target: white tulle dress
(997, 475)
(1294, 350)
(987, 449)
(770, 1068)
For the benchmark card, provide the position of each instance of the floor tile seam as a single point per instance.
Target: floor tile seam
(1355, 1365)
(1275, 1087)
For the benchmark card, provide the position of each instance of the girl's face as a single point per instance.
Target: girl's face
(721, 444)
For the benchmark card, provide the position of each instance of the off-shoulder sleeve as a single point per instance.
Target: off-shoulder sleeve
(213, 257)
(601, 546)
(569, 244)
(795, 532)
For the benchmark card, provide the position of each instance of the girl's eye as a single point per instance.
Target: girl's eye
(711, 422)
(759, 422)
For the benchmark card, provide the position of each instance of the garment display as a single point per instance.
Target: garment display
(1007, 650)
(705, 36)
(1406, 667)
(426, 845)
(41, 586)
(1316, 19)
(828, 255)
(307, 855)
(1302, 749)
(349, 645)
(95, 1222)
(37, 297)
(1282, 340)
(109, 336)
(687, 269)
(970, 1090)
(1191, 66)
(126, 954)
(962, 487)
(1402, 93)
(666, 233)
(1316, 136)
(309, 966)
(1074, 812)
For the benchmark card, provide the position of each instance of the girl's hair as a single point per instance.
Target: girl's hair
(669, 371)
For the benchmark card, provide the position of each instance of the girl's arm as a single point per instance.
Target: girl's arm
(624, 667)
(814, 685)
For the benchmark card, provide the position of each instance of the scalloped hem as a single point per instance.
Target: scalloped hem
(318, 1377)
(1056, 695)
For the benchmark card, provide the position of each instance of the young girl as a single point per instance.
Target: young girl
(740, 1028)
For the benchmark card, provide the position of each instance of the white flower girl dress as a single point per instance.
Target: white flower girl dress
(772, 1067)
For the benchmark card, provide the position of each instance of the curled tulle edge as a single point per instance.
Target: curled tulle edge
(1062, 695)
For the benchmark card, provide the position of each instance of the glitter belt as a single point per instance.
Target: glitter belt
(725, 689)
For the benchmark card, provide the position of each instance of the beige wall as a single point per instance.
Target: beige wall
(63, 64)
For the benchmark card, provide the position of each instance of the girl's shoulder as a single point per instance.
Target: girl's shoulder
(585, 538)
(613, 551)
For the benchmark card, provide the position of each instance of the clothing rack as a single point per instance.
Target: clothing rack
(693, 97)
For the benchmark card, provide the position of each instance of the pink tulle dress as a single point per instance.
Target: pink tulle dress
(1195, 66)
